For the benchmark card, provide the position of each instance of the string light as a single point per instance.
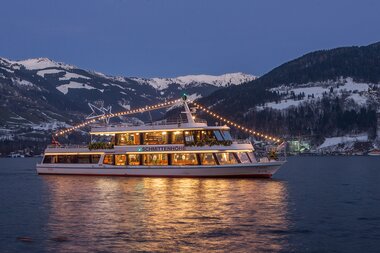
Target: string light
(166, 104)
(146, 108)
(240, 127)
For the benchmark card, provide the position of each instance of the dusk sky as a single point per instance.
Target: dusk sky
(153, 38)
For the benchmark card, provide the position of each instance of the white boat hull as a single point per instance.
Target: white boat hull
(265, 170)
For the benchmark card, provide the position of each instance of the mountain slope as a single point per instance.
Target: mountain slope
(327, 92)
(39, 95)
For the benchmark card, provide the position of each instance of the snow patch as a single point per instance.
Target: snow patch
(41, 63)
(22, 82)
(332, 141)
(125, 106)
(357, 92)
(69, 76)
(74, 85)
(8, 70)
(49, 126)
(48, 71)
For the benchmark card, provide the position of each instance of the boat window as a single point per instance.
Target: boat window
(83, 159)
(218, 135)
(155, 159)
(128, 139)
(61, 159)
(48, 159)
(252, 157)
(189, 137)
(177, 137)
(108, 159)
(120, 160)
(184, 159)
(208, 159)
(226, 158)
(156, 138)
(243, 157)
(95, 158)
(71, 159)
(134, 159)
(226, 135)
(103, 138)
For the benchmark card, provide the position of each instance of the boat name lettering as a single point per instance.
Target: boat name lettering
(172, 148)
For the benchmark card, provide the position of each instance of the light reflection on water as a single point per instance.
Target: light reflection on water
(161, 214)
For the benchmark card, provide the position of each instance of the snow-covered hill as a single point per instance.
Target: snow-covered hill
(185, 81)
(294, 95)
(49, 68)
(39, 95)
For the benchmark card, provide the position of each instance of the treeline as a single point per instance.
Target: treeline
(316, 119)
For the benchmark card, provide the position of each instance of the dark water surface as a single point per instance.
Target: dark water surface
(314, 204)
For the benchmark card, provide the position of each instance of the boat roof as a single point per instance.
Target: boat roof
(153, 127)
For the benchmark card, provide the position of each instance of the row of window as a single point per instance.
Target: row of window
(166, 137)
(71, 159)
(178, 159)
(156, 159)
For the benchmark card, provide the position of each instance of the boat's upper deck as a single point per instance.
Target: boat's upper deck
(155, 126)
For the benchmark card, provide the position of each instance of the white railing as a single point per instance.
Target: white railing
(67, 146)
(157, 123)
(241, 141)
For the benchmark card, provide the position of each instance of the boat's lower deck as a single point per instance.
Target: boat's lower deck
(239, 170)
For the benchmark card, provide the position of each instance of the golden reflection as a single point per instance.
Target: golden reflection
(147, 214)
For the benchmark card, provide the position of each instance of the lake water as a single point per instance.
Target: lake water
(313, 204)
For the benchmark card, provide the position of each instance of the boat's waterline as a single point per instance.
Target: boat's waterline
(262, 170)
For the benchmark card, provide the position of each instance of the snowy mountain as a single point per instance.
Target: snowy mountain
(185, 81)
(40, 95)
(323, 94)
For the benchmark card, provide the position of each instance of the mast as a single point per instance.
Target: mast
(187, 111)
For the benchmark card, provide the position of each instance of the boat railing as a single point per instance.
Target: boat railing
(67, 146)
(242, 141)
(157, 123)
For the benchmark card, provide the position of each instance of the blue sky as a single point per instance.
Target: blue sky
(152, 38)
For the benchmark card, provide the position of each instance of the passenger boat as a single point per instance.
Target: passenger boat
(183, 148)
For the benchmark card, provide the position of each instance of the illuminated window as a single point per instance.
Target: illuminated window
(208, 159)
(184, 159)
(120, 160)
(155, 159)
(134, 159)
(177, 137)
(108, 159)
(226, 158)
(156, 138)
(189, 137)
(243, 157)
(103, 138)
(128, 139)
